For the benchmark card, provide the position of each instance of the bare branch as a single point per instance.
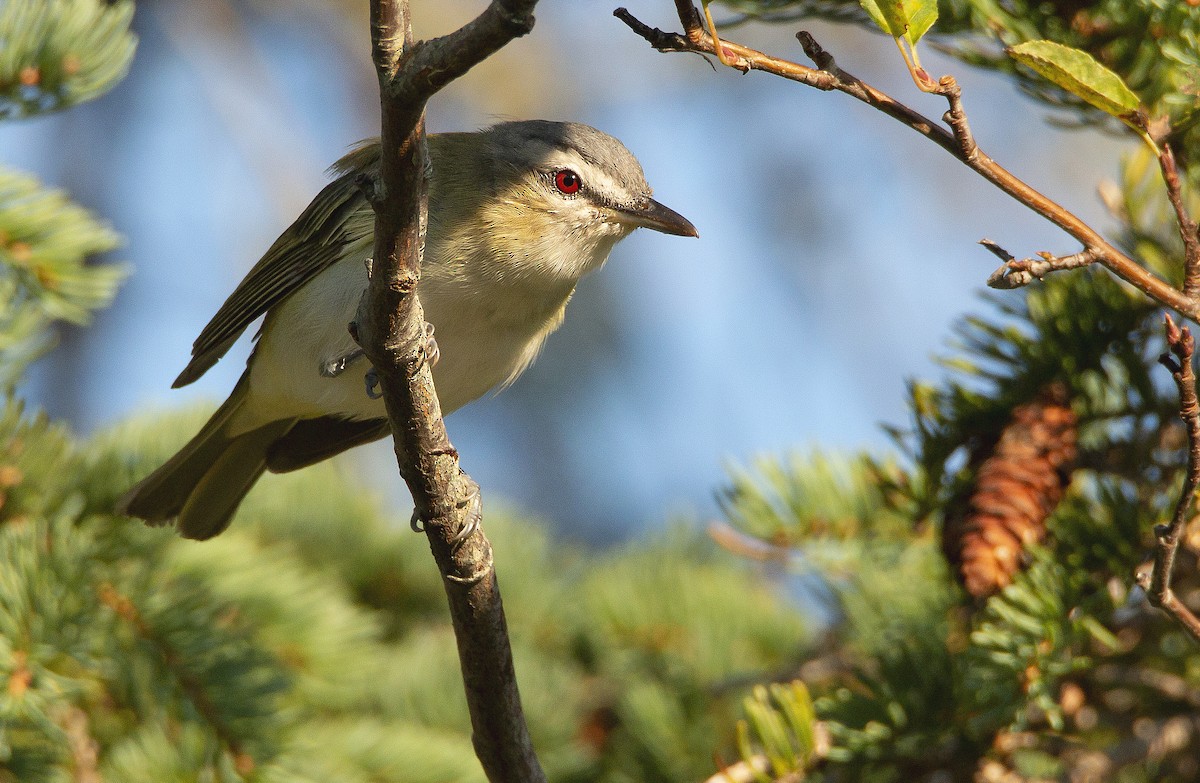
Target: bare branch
(1015, 273)
(390, 327)
(1187, 225)
(1157, 581)
(437, 62)
(735, 541)
(957, 141)
(956, 117)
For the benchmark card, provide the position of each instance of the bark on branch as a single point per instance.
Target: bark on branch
(1157, 581)
(390, 329)
(1015, 273)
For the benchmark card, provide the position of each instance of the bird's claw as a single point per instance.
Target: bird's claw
(470, 526)
(430, 353)
(474, 517)
(337, 365)
(371, 378)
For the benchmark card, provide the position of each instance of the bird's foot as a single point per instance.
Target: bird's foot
(474, 517)
(371, 378)
(470, 525)
(429, 353)
(432, 353)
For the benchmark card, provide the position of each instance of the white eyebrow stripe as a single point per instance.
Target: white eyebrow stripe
(595, 179)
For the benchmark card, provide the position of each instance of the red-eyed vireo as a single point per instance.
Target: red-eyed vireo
(518, 213)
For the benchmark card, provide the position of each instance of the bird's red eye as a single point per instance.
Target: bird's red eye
(567, 182)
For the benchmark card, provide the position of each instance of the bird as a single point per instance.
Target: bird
(518, 213)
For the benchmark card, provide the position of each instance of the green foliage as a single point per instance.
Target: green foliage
(277, 652)
(780, 728)
(1078, 73)
(912, 683)
(45, 242)
(1151, 44)
(907, 19)
(918, 682)
(57, 53)
(1022, 644)
(812, 497)
(838, 518)
(669, 671)
(884, 693)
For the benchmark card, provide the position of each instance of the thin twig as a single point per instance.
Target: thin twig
(390, 327)
(1157, 581)
(745, 771)
(735, 541)
(956, 117)
(695, 39)
(1015, 273)
(1187, 225)
(85, 750)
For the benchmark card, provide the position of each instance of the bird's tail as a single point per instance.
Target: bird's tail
(202, 485)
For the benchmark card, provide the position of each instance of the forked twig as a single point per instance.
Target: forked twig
(1188, 231)
(1015, 273)
(955, 139)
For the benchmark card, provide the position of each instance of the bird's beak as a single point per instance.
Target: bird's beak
(650, 214)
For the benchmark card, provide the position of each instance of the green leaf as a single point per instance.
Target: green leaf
(909, 19)
(1078, 73)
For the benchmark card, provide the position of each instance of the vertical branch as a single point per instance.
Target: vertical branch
(1187, 226)
(390, 327)
(1157, 582)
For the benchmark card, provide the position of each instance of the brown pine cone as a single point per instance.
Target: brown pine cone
(1019, 483)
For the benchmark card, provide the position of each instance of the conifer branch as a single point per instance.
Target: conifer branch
(956, 140)
(1157, 581)
(738, 543)
(58, 53)
(191, 686)
(390, 327)
(84, 748)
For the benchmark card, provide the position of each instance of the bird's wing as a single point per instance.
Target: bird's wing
(338, 217)
(310, 441)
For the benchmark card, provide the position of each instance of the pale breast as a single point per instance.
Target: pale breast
(484, 343)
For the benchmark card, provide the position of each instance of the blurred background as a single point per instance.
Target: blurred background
(836, 246)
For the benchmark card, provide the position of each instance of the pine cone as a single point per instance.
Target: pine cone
(1021, 479)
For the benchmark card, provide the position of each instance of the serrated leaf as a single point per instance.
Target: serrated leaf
(908, 19)
(1078, 73)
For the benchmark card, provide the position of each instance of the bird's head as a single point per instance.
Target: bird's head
(557, 196)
